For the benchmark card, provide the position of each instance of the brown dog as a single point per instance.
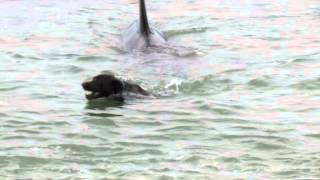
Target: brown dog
(107, 85)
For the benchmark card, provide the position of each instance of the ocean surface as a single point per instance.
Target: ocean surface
(244, 105)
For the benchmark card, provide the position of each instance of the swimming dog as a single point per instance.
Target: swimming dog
(139, 34)
(107, 85)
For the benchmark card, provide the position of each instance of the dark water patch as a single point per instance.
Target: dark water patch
(216, 110)
(185, 135)
(27, 131)
(270, 147)
(155, 152)
(178, 128)
(302, 60)
(246, 128)
(207, 86)
(275, 39)
(165, 177)
(103, 104)
(82, 136)
(210, 168)
(195, 159)
(188, 121)
(151, 123)
(252, 158)
(316, 136)
(74, 148)
(16, 122)
(229, 159)
(50, 123)
(100, 171)
(231, 71)
(253, 138)
(153, 137)
(3, 115)
(18, 56)
(258, 83)
(177, 32)
(8, 126)
(31, 112)
(288, 174)
(44, 96)
(12, 88)
(178, 112)
(66, 69)
(17, 137)
(138, 144)
(101, 114)
(230, 120)
(94, 58)
(65, 56)
(26, 161)
(313, 84)
(101, 122)
(280, 16)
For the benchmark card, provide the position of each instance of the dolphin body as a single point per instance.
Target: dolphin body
(139, 34)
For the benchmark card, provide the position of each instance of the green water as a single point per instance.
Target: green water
(246, 107)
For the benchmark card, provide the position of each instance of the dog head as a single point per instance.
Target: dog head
(103, 85)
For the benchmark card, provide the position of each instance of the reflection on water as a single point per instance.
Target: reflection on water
(104, 103)
(238, 91)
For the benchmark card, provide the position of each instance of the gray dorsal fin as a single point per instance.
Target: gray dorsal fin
(144, 25)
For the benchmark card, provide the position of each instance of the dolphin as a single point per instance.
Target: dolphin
(140, 34)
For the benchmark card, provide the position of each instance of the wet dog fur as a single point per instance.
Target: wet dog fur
(107, 85)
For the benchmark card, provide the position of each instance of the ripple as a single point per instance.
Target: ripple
(270, 147)
(12, 88)
(230, 120)
(138, 152)
(216, 110)
(178, 128)
(20, 56)
(82, 136)
(207, 85)
(93, 58)
(66, 68)
(74, 148)
(317, 136)
(194, 159)
(153, 137)
(258, 83)
(313, 84)
(177, 32)
(138, 144)
(14, 137)
(50, 123)
(102, 122)
(240, 103)
(27, 161)
(27, 131)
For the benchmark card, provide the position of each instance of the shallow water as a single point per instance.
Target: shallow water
(246, 107)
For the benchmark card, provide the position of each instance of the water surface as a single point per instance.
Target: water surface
(246, 107)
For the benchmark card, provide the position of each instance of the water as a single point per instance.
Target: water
(246, 107)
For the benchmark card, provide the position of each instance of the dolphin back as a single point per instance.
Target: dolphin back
(132, 38)
(139, 34)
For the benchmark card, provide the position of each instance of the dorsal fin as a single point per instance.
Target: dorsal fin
(144, 25)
